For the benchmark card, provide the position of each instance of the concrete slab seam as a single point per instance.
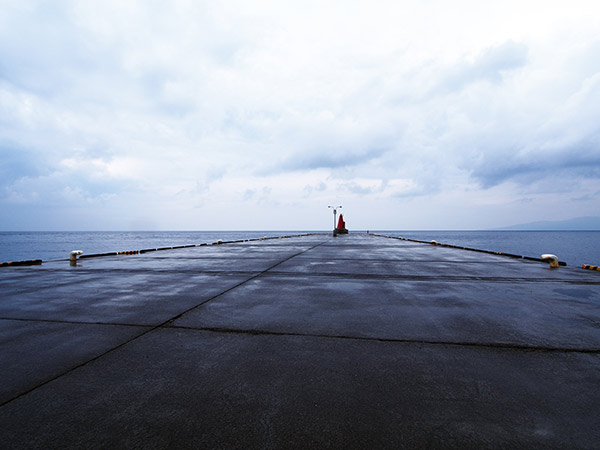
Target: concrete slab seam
(74, 322)
(491, 345)
(425, 278)
(240, 284)
(72, 369)
(149, 330)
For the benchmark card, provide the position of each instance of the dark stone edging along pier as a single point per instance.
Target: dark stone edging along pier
(460, 247)
(29, 262)
(34, 262)
(308, 342)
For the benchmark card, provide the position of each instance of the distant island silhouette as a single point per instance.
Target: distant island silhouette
(591, 223)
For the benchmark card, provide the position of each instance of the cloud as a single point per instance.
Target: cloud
(188, 111)
(562, 142)
(527, 169)
(17, 162)
(330, 158)
(490, 66)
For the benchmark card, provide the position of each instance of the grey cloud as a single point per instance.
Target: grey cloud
(527, 143)
(260, 196)
(191, 88)
(56, 188)
(580, 161)
(330, 159)
(210, 176)
(587, 197)
(17, 162)
(309, 189)
(357, 189)
(52, 50)
(249, 124)
(490, 66)
(153, 83)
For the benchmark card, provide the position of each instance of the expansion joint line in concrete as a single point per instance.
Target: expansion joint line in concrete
(75, 322)
(437, 278)
(72, 369)
(488, 345)
(150, 329)
(173, 319)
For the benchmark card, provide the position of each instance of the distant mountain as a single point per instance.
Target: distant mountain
(577, 223)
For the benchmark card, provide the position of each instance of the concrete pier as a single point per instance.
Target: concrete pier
(306, 342)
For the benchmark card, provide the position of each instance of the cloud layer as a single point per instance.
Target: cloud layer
(189, 115)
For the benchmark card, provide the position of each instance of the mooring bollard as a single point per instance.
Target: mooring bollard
(552, 259)
(73, 257)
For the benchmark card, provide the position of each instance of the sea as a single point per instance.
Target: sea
(573, 247)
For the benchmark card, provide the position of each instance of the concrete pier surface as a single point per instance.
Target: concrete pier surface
(356, 341)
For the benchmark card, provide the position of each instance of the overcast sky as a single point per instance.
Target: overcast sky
(185, 115)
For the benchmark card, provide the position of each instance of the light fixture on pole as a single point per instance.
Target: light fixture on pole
(334, 214)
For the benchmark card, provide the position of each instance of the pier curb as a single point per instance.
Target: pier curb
(489, 252)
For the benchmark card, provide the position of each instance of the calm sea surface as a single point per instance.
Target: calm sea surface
(573, 247)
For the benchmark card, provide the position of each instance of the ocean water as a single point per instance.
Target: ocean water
(573, 247)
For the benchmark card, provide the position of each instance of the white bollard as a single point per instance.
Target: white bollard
(73, 257)
(552, 259)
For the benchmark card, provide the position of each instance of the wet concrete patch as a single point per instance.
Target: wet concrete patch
(190, 389)
(117, 297)
(486, 313)
(353, 342)
(35, 352)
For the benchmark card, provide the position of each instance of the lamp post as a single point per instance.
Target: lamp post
(334, 214)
